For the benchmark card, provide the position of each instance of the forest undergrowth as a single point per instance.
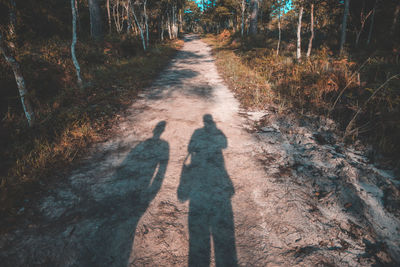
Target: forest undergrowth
(361, 93)
(68, 118)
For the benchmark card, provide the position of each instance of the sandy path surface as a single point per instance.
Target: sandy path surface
(182, 182)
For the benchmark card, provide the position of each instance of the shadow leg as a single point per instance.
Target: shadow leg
(199, 237)
(223, 233)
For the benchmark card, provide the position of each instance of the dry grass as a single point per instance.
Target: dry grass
(69, 119)
(324, 85)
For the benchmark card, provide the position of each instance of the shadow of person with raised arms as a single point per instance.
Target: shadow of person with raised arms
(206, 184)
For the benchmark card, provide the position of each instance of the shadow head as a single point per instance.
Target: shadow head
(159, 129)
(208, 121)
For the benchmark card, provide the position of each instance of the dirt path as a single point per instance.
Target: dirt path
(272, 198)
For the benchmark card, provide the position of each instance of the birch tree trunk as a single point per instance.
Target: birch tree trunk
(180, 22)
(243, 20)
(279, 32)
(298, 53)
(169, 26)
(74, 39)
(312, 31)
(23, 92)
(254, 17)
(15, 66)
(146, 22)
(344, 25)
(96, 30)
(162, 28)
(109, 15)
(138, 25)
(174, 22)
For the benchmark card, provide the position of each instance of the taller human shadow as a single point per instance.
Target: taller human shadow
(206, 184)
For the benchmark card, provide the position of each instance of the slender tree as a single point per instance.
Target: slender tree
(371, 24)
(8, 52)
(363, 19)
(138, 25)
(298, 53)
(311, 30)
(279, 29)
(108, 15)
(146, 18)
(96, 29)
(344, 25)
(73, 44)
(253, 17)
(243, 8)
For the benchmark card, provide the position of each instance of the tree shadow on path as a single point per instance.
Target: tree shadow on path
(206, 184)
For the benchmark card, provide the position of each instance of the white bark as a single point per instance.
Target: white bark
(174, 23)
(74, 39)
(138, 25)
(20, 84)
(344, 25)
(298, 53)
(14, 64)
(243, 20)
(169, 26)
(146, 22)
(162, 28)
(279, 32)
(118, 25)
(312, 31)
(109, 15)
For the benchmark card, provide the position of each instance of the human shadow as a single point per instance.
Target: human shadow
(206, 184)
(134, 185)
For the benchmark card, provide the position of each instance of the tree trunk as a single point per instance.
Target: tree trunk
(109, 15)
(128, 18)
(371, 25)
(169, 26)
(20, 82)
(298, 54)
(14, 64)
(243, 20)
(395, 19)
(279, 32)
(162, 27)
(180, 22)
(174, 22)
(344, 25)
(312, 31)
(138, 25)
(74, 39)
(254, 17)
(96, 30)
(146, 22)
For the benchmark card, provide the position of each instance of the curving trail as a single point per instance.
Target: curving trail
(184, 181)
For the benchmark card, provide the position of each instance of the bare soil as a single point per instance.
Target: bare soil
(189, 178)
